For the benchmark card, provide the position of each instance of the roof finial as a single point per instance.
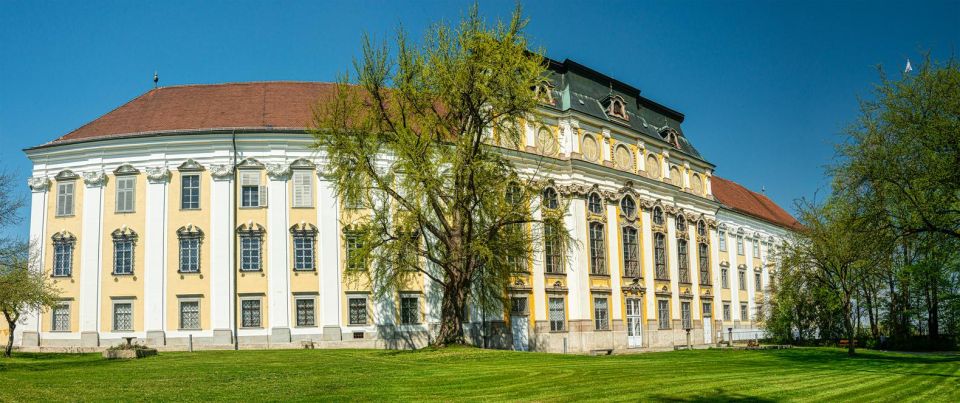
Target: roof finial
(763, 189)
(611, 87)
(156, 79)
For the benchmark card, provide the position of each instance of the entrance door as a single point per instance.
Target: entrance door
(707, 323)
(519, 325)
(634, 327)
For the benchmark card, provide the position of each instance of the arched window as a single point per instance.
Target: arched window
(550, 199)
(701, 228)
(681, 224)
(658, 215)
(683, 261)
(628, 206)
(597, 249)
(660, 255)
(595, 203)
(703, 254)
(631, 253)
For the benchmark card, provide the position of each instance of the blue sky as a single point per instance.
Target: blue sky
(766, 86)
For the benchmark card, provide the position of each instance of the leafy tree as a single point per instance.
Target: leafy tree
(410, 140)
(22, 289)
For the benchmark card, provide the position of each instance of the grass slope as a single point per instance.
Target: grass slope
(470, 374)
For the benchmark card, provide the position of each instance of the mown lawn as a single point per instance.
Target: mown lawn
(470, 374)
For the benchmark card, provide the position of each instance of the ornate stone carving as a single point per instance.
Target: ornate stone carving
(221, 172)
(250, 163)
(574, 189)
(278, 171)
(41, 184)
(302, 163)
(158, 174)
(590, 148)
(94, 178)
(190, 166)
(125, 169)
(66, 175)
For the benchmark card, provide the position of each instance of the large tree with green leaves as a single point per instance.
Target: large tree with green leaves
(409, 138)
(23, 289)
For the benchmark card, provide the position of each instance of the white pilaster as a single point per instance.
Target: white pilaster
(672, 266)
(646, 233)
(90, 251)
(614, 261)
(221, 247)
(40, 187)
(155, 248)
(693, 255)
(539, 280)
(278, 249)
(328, 256)
(578, 277)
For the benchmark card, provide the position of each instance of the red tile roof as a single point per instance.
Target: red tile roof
(738, 198)
(214, 106)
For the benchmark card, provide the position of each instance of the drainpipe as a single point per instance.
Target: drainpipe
(233, 258)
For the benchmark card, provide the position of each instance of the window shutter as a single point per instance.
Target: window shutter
(302, 192)
(250, 178)
(263, 197)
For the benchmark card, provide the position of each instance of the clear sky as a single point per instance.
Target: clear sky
(765, 86)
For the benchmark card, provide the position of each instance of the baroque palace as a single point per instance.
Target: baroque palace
(198, 215)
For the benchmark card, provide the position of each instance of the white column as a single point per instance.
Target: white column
(328, 259)
(693, 253)
(673, 267)
(578, 277)
(715, 273)
(90, 257)
(278, 234)
(605, 145)
(648, 267)
(614, 260)
(539, 280)
(751, 291)
(640, 160)
(155, 262)
(221, 252)
(39, 187)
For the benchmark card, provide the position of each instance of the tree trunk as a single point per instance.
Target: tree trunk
(848, 324)
(9, 350)
(933, 310)
(451, 313)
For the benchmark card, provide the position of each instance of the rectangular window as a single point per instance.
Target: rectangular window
(552, 260)
(723, 241)
(663, 313)
(600, 314)
(125, 189)
(703, 253)
(660, 255)
(707, 309)
(597, 249)
(518, 306)
(190, 192)
(739, 245)
(726, 311)
(65, 192)
(303, 252)
(744, 312)
(249, 253)
(62, 258)
(306, 312)
(190, 315)
(61, 317)
(409, 310)
(123, 256)
(354, 261)
(190, 255)
(358, 311)
(724, 278)
(683, 261)
(756, 249)
(250, 313)
(122, 316)
(631, 253)
(685, 315)
(756, 282)
(251, 193)
(557, 316)
(742, 280)
(302, 188)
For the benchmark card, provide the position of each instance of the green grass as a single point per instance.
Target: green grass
(470, 374)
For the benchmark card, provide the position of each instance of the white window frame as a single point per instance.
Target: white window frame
(727, 314)
(740, 249)
(113, 311)
(604, 322)
(116, 257)
(259, 301)
(126, 194)
(62, 262)
(195, 192)
(744, 312)
(53, 316)
(302, 187)
(296, 309)
(253, 265)
(563, 314)
(65, 200)
(663, 320)
(311, 253)
(366, 308)
(189, 300)
(722, 240)
(251, 180)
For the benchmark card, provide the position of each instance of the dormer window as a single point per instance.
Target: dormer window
(616, 107)
(671, 136)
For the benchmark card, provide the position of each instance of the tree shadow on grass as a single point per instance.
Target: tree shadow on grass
(716, 395)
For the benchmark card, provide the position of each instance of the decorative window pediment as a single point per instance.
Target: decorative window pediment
(126, 169)
(66, 175)
(303, 229)
(190, 166)
(251, 228)
(124, 233)
(64, 236)
(302, 163)
(250, 163)
(189, 231)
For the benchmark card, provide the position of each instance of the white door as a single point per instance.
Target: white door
(519, 324)
(707, 329)
(634, 326)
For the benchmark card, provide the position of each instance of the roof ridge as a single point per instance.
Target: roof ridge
(244, 83)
